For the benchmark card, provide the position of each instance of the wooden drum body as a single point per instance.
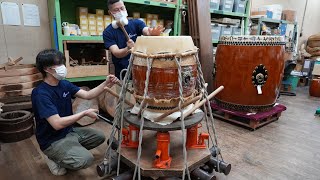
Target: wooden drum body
(164, 52)
(251, 69)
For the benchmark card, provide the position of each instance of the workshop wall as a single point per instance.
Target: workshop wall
(25, 41)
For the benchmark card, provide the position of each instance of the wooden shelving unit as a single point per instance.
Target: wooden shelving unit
(65, 11)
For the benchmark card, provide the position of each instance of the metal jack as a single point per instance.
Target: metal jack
(163, 159)
(195, 141)
(130, 137)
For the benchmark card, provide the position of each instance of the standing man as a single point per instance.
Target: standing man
(115, 40)
(65, 147)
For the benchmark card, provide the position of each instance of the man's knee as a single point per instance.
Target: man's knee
(82, 162)
(100, 137)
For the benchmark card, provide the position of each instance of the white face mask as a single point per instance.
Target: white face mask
(61, 72)
(122, 14)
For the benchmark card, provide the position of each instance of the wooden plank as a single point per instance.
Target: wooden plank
(18, 72)
(19, 86)
(14, 93)
(17, 106)
(21, 79)
(10, 100)
(195, 157)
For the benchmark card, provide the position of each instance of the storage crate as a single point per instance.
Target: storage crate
(214, 4)
(240, 6)
(236, 31)
(226, 30)
(226, 5)
(215, 31)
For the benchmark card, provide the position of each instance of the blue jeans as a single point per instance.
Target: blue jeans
(72, 152)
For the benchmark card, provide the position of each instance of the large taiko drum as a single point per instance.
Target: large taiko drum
(163, 87)
(251, 69)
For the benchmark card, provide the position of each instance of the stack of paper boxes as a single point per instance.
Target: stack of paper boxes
(152, 20)
(83, 22)
(100, 22)
(92, 24)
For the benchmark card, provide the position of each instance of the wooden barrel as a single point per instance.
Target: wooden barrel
(244, 66)
(314, 89)
(163, 87)
(16, 126)
(108, 102)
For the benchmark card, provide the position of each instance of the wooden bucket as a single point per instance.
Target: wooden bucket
(163, 88)
(16, 126)
(108, 102)
(245, 63)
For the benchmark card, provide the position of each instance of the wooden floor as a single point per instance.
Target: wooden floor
(286, 149)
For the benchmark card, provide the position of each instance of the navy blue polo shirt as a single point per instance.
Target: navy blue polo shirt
(113, 36)
(50, 100)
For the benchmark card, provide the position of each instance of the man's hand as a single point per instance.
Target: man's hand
(155, 31)
(92, 113)
(111, 80)
(130, 44)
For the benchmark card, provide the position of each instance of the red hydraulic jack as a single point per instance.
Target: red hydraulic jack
(163, 159)
(130, 137)
(193, 140)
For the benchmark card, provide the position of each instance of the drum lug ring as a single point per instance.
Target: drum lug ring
(259, 75)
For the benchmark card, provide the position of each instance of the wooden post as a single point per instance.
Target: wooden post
(200, 23)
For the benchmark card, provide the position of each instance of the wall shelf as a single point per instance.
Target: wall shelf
(65, 11)
(228, 13)
(152, 3)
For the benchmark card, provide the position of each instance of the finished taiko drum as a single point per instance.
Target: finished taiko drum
(251, 69)
(164, 55)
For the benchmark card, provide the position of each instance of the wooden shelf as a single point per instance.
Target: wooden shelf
(153, 3)
(82, 38)
(215, 41)
(228, 13)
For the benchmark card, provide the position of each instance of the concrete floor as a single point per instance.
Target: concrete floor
(286, 149)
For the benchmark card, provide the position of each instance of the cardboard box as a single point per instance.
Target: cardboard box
(83, 21)
(92, 22)
(99, 18)
(100, 28)
(83, 16)
(155, 16)
(149, 16)
(161, 22)
(84, 27)
(92, 16)
(92, 28)
(82, 10)
(264, 14)
(107, 18)
(100, 12)
(85, 33)
(93, 33)
(100, 23)
(136, 15)
(106, 24)
(289, 15)
(276, 10)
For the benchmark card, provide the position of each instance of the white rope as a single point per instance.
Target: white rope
(119, 117)
(202, 82)
(178, 62)
(142, 107)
